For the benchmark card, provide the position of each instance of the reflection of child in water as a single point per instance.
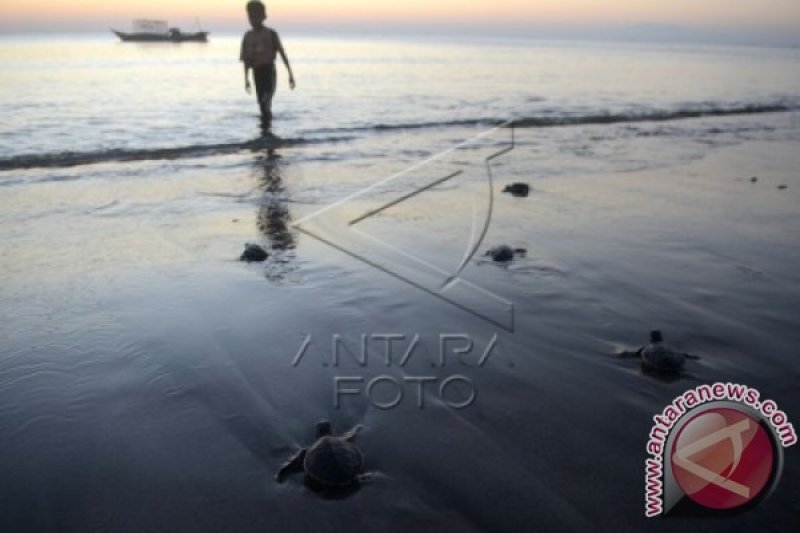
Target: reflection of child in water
(259, 48)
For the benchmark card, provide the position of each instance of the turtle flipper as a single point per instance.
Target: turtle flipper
(350, 436)
(626, 353)
(295, 464)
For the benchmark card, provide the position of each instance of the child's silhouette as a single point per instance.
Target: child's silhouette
(260, 45)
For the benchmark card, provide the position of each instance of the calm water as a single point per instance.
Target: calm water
(101, 98)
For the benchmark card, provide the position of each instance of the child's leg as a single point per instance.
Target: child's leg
(264, 78)
(273, 84)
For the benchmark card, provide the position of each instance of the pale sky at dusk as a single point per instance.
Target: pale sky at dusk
(768, 18)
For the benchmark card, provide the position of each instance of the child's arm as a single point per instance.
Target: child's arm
(246, 78)
(282, 52)
(243, 59)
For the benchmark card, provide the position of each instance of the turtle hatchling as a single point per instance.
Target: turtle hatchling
(504, 253)
(659, 357)
(330, 463)
(253, 252)
(518, 189)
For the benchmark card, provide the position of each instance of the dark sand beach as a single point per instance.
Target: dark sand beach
(150, 382)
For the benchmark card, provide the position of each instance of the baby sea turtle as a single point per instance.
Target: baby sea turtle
(518, 189)
(504, 253)
(253, 252)
(658, 357)
(330, 463)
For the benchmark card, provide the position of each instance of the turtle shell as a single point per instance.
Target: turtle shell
(333, 461)
(661, 358)
(518, 189)
(253, 252)
(501, 254)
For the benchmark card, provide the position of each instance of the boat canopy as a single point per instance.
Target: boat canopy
(150, 26)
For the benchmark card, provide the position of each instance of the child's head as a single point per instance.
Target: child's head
(256, 12)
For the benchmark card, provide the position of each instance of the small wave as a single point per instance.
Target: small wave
(563, 118)
(410, 126)
(651, 116)
(330, 135)
(71, 159)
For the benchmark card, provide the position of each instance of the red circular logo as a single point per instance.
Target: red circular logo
(722, 458)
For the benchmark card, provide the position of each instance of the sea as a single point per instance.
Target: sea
(87, 99)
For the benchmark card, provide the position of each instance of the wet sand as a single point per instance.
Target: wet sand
(147, 377)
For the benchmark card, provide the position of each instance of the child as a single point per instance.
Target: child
(259, 48)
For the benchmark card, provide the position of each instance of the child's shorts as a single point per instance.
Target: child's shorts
(265, 78)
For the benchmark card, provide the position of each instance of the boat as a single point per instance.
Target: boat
(149, 31)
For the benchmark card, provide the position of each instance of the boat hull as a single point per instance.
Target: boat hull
(200, 36)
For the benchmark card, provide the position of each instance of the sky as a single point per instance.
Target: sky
(770, 20)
